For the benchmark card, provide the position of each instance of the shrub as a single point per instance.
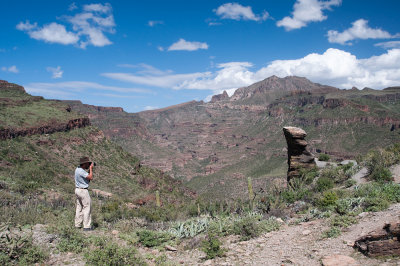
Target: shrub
(212, 247)
(348, 205)
(324, 183)
(308, 175)
(381, 174)
(151, 238)
(71, 240)
(378, 196)
(343, 221)
(324, 157)
(375, 204)
(291, 195)
(382, 158)
(247, 228)
(112, 254)
(333, 232)
(329, 198)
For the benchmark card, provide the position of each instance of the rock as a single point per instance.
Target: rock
(345, 162)
(100, 193)
(220, 97)
(306, 232)
(381, 242)
(170, 248)
(395, 170)
(298, 154)
(279, 220)
(131, 205)
(10, 133)
(338, 260)
(360, 176)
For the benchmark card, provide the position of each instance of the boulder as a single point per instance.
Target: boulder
(101, 193)
(381, 242)
(298, 154)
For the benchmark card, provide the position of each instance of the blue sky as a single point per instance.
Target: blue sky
(142, 55)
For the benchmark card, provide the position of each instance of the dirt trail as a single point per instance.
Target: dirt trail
(298, 244)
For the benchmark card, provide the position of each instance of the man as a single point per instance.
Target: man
(83, 201)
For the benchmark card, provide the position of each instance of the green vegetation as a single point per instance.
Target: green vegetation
(212, 247)
(22, 110)
(112, 254)
(18, 248)
(324, 157)
(149, 238)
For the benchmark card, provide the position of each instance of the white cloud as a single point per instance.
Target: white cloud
(56, 72)
(389, 45)
(12, 69)
(54, 33)
(359, 30)
(148, 108)
(334, 67)
(78, 86)
(305, 11)
(88, 27)
(236, 11)
(163, 81)
(160, 48)
(183, 45)
(146, 69)
(153, 23)
(72, 7)
(106, 8)
(27, 26)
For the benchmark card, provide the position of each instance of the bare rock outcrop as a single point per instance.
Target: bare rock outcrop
(220, 97)
(9, 133)
(298, 154)
(4, 85)
(382, 242)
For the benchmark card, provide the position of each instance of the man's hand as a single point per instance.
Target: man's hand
(90, 176)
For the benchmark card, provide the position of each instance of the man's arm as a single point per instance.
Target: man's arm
(90, 175)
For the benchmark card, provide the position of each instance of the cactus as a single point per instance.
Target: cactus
(158, 202)
(251, 193)
(11, 243)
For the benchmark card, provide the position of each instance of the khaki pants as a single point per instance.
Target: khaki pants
(83, 208)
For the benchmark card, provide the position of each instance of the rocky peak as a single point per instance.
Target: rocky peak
(275, 84)
(220, 97)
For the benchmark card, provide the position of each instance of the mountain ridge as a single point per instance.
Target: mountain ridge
(214, 146)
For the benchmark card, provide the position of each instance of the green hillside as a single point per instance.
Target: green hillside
(36, 171)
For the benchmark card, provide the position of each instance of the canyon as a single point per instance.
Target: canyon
(214, 146)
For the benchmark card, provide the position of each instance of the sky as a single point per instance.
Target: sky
(143, 55)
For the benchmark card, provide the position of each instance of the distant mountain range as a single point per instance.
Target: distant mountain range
(215, 146)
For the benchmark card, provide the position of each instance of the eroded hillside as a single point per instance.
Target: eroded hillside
(217, 145)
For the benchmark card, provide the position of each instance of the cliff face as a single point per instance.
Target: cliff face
(9, 133)
(4, 85)
(216, 145)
